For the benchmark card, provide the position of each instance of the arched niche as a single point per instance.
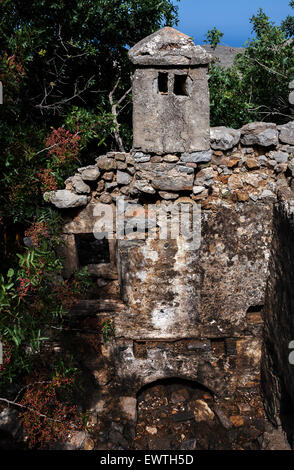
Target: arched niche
(175, 413)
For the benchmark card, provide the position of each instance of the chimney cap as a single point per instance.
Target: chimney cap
(168, 46)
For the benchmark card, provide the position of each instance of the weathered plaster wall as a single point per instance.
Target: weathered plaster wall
(169, 123)
(198, 319)
(171, 292)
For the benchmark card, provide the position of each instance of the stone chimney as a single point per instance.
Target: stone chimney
(170, 94)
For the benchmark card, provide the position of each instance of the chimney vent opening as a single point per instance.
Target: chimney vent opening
(163, 83)
(181, 85)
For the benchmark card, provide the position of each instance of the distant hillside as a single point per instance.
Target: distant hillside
(225, 54)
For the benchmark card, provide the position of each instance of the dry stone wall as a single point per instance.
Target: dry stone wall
(193, 314)
(242, 165)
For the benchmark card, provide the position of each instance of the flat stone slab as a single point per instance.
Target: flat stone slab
(197, 157)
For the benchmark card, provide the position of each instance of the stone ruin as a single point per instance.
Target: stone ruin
(204, 331)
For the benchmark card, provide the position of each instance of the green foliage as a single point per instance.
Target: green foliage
(213, 37)
(93, 125)
(256, 86)
(34, 296)
(227, 104)
(288, 24)
(107, 330)
(58, 75)
(76, 64)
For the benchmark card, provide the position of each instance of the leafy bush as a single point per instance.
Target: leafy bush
(57, 78)
(35, 296)
(49, 415)
(213, 37)
(256, 86)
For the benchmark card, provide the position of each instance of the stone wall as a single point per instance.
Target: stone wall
(277, 372)
(243, 167)
(195, 314)
(247, 164)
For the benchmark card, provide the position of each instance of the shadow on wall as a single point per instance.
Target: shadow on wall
(277, 372)
(176, 382)
(287, 414)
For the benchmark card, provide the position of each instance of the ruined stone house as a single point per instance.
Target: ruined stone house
(218, 316)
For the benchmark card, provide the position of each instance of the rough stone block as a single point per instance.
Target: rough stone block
(89, 173)
(144, 187)
(260, 133)
(168, 196)
(64, 199)
(165, 176)
(105, 163)
(287, 133)
(77, 183)
(279, 157)
(129, 407)
(197, 157)
(224, 138)
(204, 177)
(123, 178)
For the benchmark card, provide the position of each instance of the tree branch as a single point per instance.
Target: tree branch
(10, 402)
(269, 69)
(77, 94)
(125, 95)
(115, 113)
(54, 145)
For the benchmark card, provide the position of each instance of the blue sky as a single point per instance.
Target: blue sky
(230, 16)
